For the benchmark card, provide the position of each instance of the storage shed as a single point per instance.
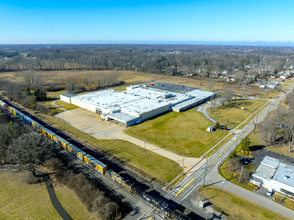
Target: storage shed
(66, 97)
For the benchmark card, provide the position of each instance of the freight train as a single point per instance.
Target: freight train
(157, 203)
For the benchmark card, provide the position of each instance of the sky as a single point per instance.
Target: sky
(140, 21)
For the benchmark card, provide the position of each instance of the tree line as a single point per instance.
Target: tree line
(163, 59)
(23, 146)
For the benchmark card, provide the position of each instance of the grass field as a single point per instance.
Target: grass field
(150, 163)
(232, 116)
(236, 207)
(52, 109)
(225, 172)
(178, 133)
(23, 201)
(65, 105)
(257, 140)
(287, 202)
(132, 77)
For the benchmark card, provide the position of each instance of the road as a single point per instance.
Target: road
(185, 190)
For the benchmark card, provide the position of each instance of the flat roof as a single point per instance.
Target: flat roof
(137, 100)
(264, 172)
(270, 161)
(69, 95)
(271, 168)
(121, 116)
(170, 87)
(285, 174)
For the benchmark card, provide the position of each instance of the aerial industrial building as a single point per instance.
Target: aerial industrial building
(274, 174)
(139, 102)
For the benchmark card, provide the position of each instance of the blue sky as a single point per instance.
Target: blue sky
(61, 21)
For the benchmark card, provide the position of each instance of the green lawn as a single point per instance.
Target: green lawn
(150, 163)
(52, 109)
(225, 172)
(257, 141)
(232, 115)
(66, 105)
(235, 207)
(178, 133)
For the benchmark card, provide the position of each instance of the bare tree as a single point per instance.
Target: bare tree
(30, 149)
(70, 82)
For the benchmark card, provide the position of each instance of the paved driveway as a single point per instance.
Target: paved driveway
(90, 123)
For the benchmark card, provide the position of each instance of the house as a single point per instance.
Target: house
(274, 174)
(284, 77)
(262, 86)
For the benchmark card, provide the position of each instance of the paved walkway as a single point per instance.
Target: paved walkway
(217, 180)
(51, 193)
(53, 103)
(89, 123)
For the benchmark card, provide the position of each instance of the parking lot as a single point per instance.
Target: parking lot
(90, 123)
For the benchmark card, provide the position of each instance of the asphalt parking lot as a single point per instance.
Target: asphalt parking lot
(286, 159)
(170, 87)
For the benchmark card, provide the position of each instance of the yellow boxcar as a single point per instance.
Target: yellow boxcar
(60, 141)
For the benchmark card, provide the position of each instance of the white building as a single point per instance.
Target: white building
(271, 173)
(140, 102)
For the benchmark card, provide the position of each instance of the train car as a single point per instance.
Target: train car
(48, 133)
(12, 110)
(76, 151)
(3, 103)
(27, 120)
(60, 141)
(37, 125)
(116, 177)
(96, 164)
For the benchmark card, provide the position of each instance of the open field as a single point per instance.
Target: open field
(148, 162)
(179, 133)
(232, 116)
(225, 170)
(52, 109)
(271, 93)
(236, 207)
(257, 140)
(70, 202)
(24, 201)
(65, 105)
(132, 77)
(287, 202)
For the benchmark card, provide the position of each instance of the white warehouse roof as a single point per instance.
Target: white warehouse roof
(137, 102)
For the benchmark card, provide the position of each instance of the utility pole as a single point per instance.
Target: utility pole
(205, 172)
(241, 174)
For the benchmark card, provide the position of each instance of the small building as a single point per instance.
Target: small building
(66, 97)
(262, 86)
(274, 174)
(210, 129)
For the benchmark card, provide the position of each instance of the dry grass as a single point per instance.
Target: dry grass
(70, 202)
(236, 207)
(132, 77)
(225, 171)
(257, 140)
(151, 164)
(179, 133)
(232, 116)
(23, 201)
(65, 105)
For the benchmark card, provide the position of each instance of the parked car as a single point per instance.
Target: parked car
(269, 192)
(245, 161)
